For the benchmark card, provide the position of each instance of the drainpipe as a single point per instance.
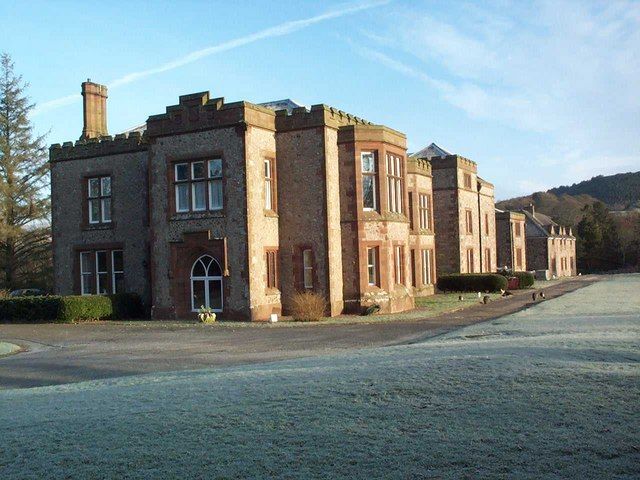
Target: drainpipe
(480, 230)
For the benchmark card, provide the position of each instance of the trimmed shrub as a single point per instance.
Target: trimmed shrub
(526, 279)
(308, 306)
(87, 307)
(472, 282)
(73, 308)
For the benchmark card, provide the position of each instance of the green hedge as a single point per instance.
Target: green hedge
(70, 308)
(472, 282)
(526, 279)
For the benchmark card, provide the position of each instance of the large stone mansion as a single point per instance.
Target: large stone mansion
(237, 206)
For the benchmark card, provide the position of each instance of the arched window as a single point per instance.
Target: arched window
(206, 284)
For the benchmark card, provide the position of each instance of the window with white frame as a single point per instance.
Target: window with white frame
(395, 181)
(307, 268)
(86, 273)
(372, 265)
(425, 211)
(369, 181)
(198, 185)
(268, 185)
(398, 253)
(99, 199)
(102, 272)
(117, 271)
(427, 267)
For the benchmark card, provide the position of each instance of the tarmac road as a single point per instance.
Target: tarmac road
(63, 353)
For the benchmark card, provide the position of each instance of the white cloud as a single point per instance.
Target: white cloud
(285, 28)
(567, 70)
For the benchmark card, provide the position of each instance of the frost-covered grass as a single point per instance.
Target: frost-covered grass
(551, 392)
(8, 348)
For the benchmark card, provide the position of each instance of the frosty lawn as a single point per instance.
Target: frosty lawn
(8, 348)
(550, 392)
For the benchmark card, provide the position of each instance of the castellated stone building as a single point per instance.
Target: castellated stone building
(551, 248)
(464, 210)
(511, 240)
(237, 206)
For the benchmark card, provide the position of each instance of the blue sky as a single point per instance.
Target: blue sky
(538, 93)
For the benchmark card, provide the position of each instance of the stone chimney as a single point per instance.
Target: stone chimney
(531, 208)
(94, 109)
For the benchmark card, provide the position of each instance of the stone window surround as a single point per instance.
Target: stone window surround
(427, 266)
(172, 213)
(470, 261)
(274, 184)
(381, 149)
(374, 176)
(395, 182)
(468, 217)
(84, 188)
(382, 266)
(93, 248)
(375, 249)
(272, 274)
(399, 263)
(425, 211)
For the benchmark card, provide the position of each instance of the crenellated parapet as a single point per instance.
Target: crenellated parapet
(98, 147)
(197, 111)
(419, 166)
(453, 161)
(318, 115)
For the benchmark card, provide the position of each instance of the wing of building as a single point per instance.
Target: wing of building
(238, 206)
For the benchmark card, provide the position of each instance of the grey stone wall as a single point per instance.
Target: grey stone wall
(129, 226)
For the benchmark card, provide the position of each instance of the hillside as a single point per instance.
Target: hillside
(564, 204)
(564, 209)
(618, 192)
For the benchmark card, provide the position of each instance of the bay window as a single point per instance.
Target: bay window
(395, 181)
(369, 181)
(425, 212)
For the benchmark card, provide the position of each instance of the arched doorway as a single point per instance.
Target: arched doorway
(206, 284)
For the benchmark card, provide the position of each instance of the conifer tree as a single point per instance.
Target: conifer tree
(24, 181)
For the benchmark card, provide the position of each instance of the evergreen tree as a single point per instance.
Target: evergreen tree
(598, 246)
(24, 180)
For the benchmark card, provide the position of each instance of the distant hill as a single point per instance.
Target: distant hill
(563, 204)
(564, 209)
(618, 192)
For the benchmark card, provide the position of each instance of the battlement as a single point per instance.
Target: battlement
(98, 147)
(453, 161)
(419, 166)
(318, 115)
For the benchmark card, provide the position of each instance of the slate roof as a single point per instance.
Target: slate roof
(138, 128)
(541, 225)
(284, 104)
(431, 151)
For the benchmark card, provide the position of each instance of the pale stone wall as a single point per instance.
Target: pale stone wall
(334, 237)
(487, 210)
(262, 225)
